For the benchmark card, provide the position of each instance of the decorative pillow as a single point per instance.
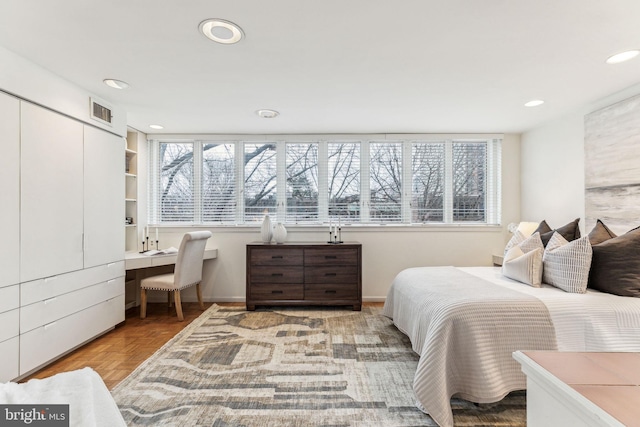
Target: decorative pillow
(570, 231)
(616, 265)
(566, 264)
(523, 262)
(515, 240)
(600, 233)
(527, 228)
(543, 227)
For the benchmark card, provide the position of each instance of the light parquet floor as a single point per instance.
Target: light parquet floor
(117, 353)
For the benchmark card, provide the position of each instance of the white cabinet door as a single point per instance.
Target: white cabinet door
(51, 214)
(9, 189)
(103, 197)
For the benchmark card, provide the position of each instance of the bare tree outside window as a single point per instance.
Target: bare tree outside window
(469, 181)
(449, 181)
(259, 180)
(427, 195)
(218, 183)
(176, 182)
(386, 182)
(344, 181)
(302, 182)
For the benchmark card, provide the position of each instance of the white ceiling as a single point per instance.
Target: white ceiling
(334, 66)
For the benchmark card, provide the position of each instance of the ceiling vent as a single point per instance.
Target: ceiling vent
(101, 112)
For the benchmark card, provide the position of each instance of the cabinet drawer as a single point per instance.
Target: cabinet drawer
(9, 350)
(47, 342)
(276, 256)
(282, 291)
(42, 289)
(49, 310)
(266, 274)
(9, 324)
(9, 298)
(330, 292)
(330, 256)
(331, 274)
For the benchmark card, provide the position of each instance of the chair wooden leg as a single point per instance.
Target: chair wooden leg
(143, 303)
(169, 300)
(199, 292)
(178, 305)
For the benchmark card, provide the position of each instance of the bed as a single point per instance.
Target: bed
(465, 324)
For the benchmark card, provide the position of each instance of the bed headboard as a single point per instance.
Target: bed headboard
(612, 166)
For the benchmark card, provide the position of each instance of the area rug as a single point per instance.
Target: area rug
(289, 367)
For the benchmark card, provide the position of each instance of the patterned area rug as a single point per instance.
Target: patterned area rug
(289, 367)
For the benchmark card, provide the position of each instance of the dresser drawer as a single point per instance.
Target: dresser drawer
(331, 274)
(283, 291)
(320, 292)
(276, 256)
(280, 274)
(330, 256)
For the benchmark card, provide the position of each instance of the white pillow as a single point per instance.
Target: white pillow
(515, 240)
(566, 264)
(523, 262)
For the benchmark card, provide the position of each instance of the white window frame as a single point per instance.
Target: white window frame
(493, 174)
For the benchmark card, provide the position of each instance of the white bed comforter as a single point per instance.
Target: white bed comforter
(466, 322)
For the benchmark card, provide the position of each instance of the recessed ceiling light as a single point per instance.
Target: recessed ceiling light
(116, 84)
(534, 103)
(267, 114)
(221, 31)
(156, 126)
(622, 56)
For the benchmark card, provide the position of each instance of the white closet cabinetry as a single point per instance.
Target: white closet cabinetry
(10, 232)
(103, 204)
(52, 208)
(71, 237)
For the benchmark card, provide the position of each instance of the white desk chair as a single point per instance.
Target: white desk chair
(188, 272)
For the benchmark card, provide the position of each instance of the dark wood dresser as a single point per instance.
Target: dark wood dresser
(304, 274)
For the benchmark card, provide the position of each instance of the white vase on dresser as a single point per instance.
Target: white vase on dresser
(266, 231)
(280, 233)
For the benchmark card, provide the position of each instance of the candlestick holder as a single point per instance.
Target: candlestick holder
(143, 249)
(157, 245)
(335, 238)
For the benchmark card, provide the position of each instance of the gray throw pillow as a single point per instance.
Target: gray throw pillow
(616, 265)
(600, 233)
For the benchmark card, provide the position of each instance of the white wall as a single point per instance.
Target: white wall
(26, 80)
(386, 250)
(552, 166)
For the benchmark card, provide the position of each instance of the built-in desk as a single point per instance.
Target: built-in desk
(581, 389)
(139, 266)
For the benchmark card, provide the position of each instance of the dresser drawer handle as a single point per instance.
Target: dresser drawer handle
(329, 291)
(330, 257)
(277, 274)
(276, 256)
(277, 292)
(330, 274)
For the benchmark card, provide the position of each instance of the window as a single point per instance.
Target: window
(427, 186)
(218, 183)
(314, 181)
(385, 184)
(302, 183)
(259, 181)
(343, 181)
(176, 182)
